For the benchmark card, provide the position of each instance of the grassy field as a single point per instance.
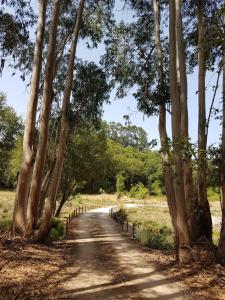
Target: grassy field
(155, 211)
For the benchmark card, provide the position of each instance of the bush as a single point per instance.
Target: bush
(155, 236)
(120, 184)
(56, 231)
(5, 224)
(120, 216)
(139, 191)
(53, 235)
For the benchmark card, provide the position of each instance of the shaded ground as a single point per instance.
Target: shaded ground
(98, 262)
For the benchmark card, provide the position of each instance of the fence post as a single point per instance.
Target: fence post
(82, 209)
(67, 225)
(127, 226)
(133, 231)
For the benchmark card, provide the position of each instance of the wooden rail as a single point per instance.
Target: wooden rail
(76, 212)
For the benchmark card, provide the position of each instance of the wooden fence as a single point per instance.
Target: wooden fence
(142, 235)
(77, 211)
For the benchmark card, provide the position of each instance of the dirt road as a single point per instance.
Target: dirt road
(105, 264)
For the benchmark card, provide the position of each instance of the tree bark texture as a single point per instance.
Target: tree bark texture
(63, 134)
(181, 217)
(204, 215)
(34, 197)
(220, 255)
(26, 168)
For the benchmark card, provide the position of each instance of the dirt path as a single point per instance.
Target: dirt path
(105, 264)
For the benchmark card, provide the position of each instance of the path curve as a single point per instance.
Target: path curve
(106, 264)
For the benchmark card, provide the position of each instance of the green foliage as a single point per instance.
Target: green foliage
(120, 183)
(129, 135)
(213, 194)
(155, 236)
(152, 233)
(120, 216)
(5, 224)
(139, 191)
(56, 231)
(10, 132)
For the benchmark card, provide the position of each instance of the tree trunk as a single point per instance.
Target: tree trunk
(51, 199)
(167, 169)
(36, 181)
(204, 215)
(44, 191)
(181, 218)
(187, 169)
(26, 168)
(62, 202)
(220, 254)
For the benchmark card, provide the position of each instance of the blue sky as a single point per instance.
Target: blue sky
(18, 94)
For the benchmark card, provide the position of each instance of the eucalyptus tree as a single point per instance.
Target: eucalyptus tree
(220, 255)
(63, 23)
(17, 19)
(29, 132)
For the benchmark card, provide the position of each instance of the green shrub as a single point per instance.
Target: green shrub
(155, 236)
(133, 191)
(5, 224)
(120, 184)
(120, 216)
(139, 191)
(56, 231)
(53, 234)
(58, 225)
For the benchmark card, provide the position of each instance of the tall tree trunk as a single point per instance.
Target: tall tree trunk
(187, 169)
(203, 204)
(168, 172)
(26, 168)
(64, 127)
(181, 219)
(44, 190)
(33, 201)
(220, 255)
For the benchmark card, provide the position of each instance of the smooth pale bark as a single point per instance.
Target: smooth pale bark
(44, 190)
(181, 219)
(204, 211)
(168, 172)
(187, 169)
(63, 135)
(220, 254)
(26, 168)
(36, 182)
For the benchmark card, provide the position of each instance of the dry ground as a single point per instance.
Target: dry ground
(97, 261)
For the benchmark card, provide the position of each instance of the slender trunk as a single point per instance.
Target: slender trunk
(44, 191)
(36, 181)
(168, 172)
(220, 255)
(203, 204)
(26, 168)
(181, 220)
(50, 202)
(187, 169)
(62, 202)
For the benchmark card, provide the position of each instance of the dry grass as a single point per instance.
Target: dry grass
(6, 209)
